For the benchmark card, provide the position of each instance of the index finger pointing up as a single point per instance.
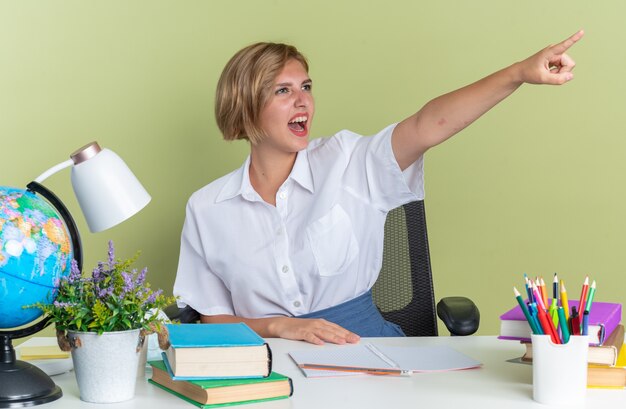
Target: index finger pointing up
(561, 47)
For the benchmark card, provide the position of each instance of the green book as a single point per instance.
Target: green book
(211, 393)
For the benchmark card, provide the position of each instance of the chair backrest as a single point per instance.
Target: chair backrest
(404, 291)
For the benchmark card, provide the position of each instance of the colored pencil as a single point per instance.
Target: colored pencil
(592, 292)
(583, 299)
(525, 311)
(563, 325)
(564, 300)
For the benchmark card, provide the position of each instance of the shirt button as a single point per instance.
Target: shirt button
(285, 268)
(282, 195)
(296, 304)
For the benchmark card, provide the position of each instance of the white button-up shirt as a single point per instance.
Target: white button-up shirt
(321, 245)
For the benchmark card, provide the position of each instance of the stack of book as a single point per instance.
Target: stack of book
(217, 364)
(604, 317)
(607, 355)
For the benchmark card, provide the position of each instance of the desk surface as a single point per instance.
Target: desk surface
(497, 384)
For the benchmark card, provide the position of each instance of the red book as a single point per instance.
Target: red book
(603, 319)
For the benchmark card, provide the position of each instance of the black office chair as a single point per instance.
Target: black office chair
(404, 291)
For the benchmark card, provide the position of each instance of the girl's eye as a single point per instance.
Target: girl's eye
(283, 90)
(307, 87)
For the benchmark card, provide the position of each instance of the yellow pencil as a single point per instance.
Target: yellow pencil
(564, 302)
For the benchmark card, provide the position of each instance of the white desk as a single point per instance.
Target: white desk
(498, 384)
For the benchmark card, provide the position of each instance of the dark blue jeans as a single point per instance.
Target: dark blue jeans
(360, 316)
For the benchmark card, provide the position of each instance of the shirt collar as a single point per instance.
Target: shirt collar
(301, 171)
(238, 182)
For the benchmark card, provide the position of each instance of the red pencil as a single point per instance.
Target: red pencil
(583, 298)
(546, 324)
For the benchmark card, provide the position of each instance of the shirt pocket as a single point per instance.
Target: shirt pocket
(333, 242)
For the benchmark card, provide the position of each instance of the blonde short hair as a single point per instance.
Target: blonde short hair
(246, 85)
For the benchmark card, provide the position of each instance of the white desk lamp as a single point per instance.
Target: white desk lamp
(107, 191)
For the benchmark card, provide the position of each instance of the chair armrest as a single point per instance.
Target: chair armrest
(183, 315)
(459, 314)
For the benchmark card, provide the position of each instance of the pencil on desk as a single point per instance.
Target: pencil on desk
(370, 371)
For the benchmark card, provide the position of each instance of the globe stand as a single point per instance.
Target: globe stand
(23, 384)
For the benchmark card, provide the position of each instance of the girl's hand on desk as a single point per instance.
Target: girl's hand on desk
(316, 331)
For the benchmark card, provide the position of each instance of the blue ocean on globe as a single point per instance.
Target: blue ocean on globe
(35, 252)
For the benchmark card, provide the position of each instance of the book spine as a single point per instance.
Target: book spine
(269, 359)
(611, 323)
(290, 386)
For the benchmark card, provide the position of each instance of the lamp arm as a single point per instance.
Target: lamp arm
(54, 170)
(65, 214)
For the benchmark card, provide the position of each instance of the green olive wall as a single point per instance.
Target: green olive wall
(538, 185)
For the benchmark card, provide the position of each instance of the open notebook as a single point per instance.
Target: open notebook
(380, 360)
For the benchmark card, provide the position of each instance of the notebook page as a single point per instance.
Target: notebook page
(416, 359)
(427, 359)
(350, 355)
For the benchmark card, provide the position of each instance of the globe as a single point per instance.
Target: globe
(35, 252)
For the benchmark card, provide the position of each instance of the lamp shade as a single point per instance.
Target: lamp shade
(107, 191)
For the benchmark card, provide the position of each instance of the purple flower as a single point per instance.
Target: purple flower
(97, 272)
(152, 297)
(111, 255)
(141, 277)
(59, 304)
(74, 272)
(129, 285)
(105, 292)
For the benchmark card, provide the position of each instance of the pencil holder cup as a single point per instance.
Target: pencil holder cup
(559, 370)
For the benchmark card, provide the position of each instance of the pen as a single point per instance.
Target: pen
(575, 322)
(592, 292)
(564, 301)
(585, 330)
(532, 308)
(583, 298)
(563, 325)
(525, 311)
